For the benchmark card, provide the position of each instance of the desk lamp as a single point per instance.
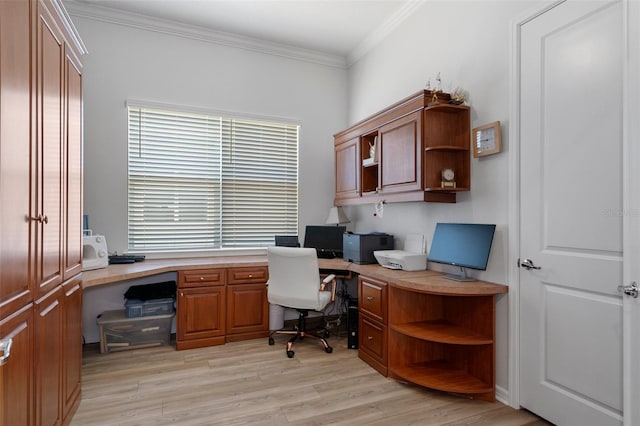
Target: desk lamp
(337, 216)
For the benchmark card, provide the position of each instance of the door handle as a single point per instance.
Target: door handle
(5, 348)
(528, 264)
(630, 290)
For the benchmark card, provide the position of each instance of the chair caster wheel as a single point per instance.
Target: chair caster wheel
(328, 349)
(290, 354)
(271, 341)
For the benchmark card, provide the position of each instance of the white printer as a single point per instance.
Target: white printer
(412, 258)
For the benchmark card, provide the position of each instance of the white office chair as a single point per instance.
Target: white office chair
(294, 282)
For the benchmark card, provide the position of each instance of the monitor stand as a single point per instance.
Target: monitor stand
(459, 277)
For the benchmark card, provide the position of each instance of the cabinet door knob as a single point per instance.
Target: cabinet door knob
(39, 218)
(370, 338)
(201, 278)
(369, 297)
(250, 276)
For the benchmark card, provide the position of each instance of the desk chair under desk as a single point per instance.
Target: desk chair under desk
(294, 282)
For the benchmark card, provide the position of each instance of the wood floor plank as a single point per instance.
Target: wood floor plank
(252, 383)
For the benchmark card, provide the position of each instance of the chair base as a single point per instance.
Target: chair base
(299, 333)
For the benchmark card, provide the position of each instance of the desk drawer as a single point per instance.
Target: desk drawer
(373, 298)
(373, 342)
(248, 275)
(202, 278)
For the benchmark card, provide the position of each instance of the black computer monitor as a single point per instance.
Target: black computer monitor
(287, 241)
(466, 245)
(327, 240)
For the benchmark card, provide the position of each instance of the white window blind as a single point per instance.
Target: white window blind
(199, 181)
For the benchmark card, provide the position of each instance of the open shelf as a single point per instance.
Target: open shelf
(442, 331)
(443, 376)
(446, 148)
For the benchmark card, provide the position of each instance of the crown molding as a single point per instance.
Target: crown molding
(379, 34)
(139, 21)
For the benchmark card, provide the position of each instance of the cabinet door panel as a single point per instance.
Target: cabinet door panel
(347, 169)
(201, 313)
(15, 160)
(401, 162)
(247, 308)
(16, 377)
(73, 172)
(48, 357)
(71, 346)
(49, 136)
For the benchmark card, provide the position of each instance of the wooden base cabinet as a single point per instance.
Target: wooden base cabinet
(443, 342)
(200, 308)
(247, 306)
(416, 333)
(221, 305)
(372, 323)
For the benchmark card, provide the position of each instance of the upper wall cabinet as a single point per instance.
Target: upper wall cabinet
(402, 153)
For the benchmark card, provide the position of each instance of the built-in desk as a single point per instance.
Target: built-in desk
(413, 326)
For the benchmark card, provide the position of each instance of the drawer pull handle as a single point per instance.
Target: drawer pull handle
(369, 297)
(5, 347)
(370, 338)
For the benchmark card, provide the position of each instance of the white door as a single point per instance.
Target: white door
(572, 204)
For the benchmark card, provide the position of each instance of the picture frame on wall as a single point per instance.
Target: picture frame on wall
(487, 139)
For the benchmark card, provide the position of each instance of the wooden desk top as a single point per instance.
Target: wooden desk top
(421, 281)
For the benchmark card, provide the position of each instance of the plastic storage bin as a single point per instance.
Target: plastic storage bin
(143, 308)
(119, 332)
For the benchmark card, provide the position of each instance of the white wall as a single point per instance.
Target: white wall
(469, 44)
(129, 63)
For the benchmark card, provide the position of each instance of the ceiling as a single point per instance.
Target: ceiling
(335, 27)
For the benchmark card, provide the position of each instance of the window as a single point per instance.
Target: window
(199, 181)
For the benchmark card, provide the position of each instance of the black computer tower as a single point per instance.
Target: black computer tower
(352, 324)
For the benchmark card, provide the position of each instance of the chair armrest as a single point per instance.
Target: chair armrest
(329, 279)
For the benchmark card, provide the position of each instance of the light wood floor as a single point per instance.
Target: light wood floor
(252, 383)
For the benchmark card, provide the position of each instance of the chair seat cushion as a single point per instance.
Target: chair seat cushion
(289, 301)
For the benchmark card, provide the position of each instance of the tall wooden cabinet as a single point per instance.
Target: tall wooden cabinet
(415, 140)
(41, 212)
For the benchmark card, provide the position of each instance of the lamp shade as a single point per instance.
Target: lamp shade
(337, 216)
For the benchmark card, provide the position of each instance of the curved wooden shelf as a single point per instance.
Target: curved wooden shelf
(439, 189)
(445, 107)
(442, 331)
(442, 376)
(446, 148)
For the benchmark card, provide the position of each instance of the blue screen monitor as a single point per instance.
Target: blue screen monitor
(465, 245)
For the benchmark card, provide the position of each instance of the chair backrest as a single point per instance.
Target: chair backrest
(294, 278)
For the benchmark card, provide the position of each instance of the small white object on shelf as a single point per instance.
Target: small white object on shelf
(368, 162)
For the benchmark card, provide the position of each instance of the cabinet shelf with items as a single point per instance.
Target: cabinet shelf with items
(369, 160)
(447, 133)
(414, 141)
